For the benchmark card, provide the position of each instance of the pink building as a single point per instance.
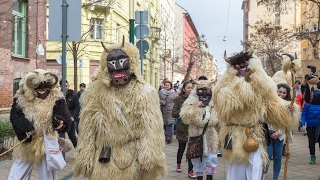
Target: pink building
(189, 43)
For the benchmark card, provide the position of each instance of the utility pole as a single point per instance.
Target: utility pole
(131, 21)
(64, 41)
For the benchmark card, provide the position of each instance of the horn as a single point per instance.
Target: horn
(104, 47)
(226, 58)
(55, 77)
(251, 49)
(122, 41)
(289, 55)
(29, 79)
(295, 55)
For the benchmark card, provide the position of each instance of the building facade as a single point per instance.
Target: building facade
(271, 30)
(107, 21)
(22, 45)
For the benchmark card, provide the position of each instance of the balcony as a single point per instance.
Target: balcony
(155, 32)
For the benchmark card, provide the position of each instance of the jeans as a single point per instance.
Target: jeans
(275, 150)
(168, 131)
(182, 147)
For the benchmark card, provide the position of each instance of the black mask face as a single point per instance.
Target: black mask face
(118, 67)
(43, 90)
(204, 95)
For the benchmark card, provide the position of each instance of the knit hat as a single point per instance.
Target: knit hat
(83, 85)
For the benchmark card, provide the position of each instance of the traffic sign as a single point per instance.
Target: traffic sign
(143, 47)
(141, 17)
(141, 31)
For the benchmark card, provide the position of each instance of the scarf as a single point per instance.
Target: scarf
(166, 92)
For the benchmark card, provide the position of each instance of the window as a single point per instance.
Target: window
(19, 28)
(15, 85)
(277, 12)
(96, 29)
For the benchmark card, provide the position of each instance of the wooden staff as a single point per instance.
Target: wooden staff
(287, 133)
(12, 147)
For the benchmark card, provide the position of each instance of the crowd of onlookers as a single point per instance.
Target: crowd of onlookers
(172, 97)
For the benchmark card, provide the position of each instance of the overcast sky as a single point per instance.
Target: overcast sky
(211, 19)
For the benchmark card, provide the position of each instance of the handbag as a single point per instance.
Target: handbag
(54, 158)
(195, 146)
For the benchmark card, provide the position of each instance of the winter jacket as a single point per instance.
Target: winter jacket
(166, 110)
(73, 104)
(310, 115)
(181, 128)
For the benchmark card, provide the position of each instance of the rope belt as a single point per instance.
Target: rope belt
(134, 154)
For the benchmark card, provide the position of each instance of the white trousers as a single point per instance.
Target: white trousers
(209, 163)
(251, 171)
(22, 170)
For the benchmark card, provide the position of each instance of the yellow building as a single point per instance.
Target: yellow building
(107, 21)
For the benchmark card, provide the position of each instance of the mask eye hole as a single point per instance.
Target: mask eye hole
(113, 63)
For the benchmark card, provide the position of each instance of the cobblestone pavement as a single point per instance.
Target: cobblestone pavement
(299, 168)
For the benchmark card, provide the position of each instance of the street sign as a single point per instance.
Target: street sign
(141, 17)
(73, 20)
(59, 59)
(143, 47)
(141, 31)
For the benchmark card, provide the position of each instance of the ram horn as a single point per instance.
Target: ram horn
(104, 47)
(251, 49)
(290, 56)
(55, 77)
(226, 58)
(122, 41)
(29, 80)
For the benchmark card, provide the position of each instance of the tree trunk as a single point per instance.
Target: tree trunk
(315, 50)
(190, 64)
(75, 67)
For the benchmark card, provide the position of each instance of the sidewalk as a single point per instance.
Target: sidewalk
(298, 169)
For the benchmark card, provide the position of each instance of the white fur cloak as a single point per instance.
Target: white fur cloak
(115, 117)
(239, 104)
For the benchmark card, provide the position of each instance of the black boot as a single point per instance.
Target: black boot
(200, 178)
(209, 177)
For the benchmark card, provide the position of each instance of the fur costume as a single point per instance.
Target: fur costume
(30, 113)
(290, 65)
(125, 118)
(192, 115)
(242, 102)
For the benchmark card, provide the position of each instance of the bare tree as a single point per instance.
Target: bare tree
(268, 41)
(308, 30)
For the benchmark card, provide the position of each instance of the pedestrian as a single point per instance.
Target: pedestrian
(181, 128)
(82, 89)
(297, 85)
(277, 137)
(198, 112)
(162, 83)
(38, 105)
(309, 116)
(300, 100)
(72, 100)
(166, 96)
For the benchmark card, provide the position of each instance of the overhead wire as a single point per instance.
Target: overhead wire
(225, 35)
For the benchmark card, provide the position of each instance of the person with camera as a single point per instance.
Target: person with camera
(311, 111)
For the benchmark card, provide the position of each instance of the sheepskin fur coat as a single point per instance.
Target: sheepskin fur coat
(192, 115)
(127, 119)
(30, 113)
(240, 104)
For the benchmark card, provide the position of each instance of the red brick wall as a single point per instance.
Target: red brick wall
(13, 67)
